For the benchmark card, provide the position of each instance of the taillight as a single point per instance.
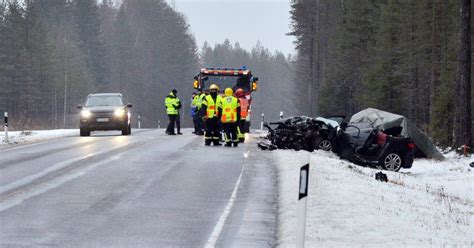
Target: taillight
(411, 146)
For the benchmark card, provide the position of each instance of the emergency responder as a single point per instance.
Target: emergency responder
(244, 110)
(197, 118)
(210, 108)
(203, 110)
(173, 104)
(194, 112)
(229, 114)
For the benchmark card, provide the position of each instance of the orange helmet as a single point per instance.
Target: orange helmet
(239, 92)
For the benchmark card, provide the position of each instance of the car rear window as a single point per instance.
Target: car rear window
(104, 101)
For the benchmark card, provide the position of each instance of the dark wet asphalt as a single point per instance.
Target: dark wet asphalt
(144, 190)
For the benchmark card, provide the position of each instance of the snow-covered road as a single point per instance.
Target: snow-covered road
(431, 204)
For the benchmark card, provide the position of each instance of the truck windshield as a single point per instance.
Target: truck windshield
(104, 101)
(224, 82)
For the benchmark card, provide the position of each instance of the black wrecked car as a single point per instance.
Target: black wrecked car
(300, 133)
(106, 111)
(370, 137)
(366, 145)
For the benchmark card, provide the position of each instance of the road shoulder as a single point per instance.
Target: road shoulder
(252, 222)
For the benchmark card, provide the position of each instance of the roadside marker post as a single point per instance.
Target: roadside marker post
(159, 124)
(281, 115)
(302, 203)
(261, 123)
(139, 122)
(6, 127)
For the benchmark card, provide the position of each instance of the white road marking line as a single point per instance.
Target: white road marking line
(17, 199)
(211, 242)
(25, 146)
(20, 146)
(55, 167)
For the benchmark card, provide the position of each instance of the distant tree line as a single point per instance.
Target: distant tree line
(274, 70)
(408, 57)
(53, 53)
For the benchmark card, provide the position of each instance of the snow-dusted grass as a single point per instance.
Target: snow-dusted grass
(431, 204)
(22, 137)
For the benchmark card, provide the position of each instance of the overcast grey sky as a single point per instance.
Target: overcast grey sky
(243, 21)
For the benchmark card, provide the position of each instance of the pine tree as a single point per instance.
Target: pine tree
(90, 37)
(462, 111)
(383, 54)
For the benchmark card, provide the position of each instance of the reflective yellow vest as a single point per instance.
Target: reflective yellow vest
(201, 98)
(197, 101)
(229, 105)
(172, 104)
(212, 106)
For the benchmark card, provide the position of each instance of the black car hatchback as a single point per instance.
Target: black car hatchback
(363, 144)
(106, 111)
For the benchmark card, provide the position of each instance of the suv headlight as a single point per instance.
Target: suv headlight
(86, 113)
(119, 112)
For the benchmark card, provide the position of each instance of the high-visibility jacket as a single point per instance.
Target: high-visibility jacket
(211, 106)
(197, 101)
(244, 107)
(229, 106)
(173, 104)
(201, 98)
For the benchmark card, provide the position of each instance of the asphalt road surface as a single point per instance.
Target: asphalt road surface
(144, 190)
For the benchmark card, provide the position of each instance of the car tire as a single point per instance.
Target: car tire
(127, 130)
(392, 162)
(84, 132)
(322, 144)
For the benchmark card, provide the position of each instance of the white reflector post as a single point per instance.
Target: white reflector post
(139, 122)
(6, 127)
(281, 115)
(261, 123)
(302, 202)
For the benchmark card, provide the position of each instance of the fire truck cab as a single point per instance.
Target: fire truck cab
(229, 78)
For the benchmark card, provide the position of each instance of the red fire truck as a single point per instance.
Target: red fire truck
(229, 78)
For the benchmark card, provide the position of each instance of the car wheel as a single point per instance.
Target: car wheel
(84, 132)
(322, 144)
(126, 131)
(392, 162)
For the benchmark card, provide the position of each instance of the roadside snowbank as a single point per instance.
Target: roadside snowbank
(21, 137)
(431, 204)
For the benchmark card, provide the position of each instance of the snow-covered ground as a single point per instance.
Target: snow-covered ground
(22, 137)
(431, 204)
